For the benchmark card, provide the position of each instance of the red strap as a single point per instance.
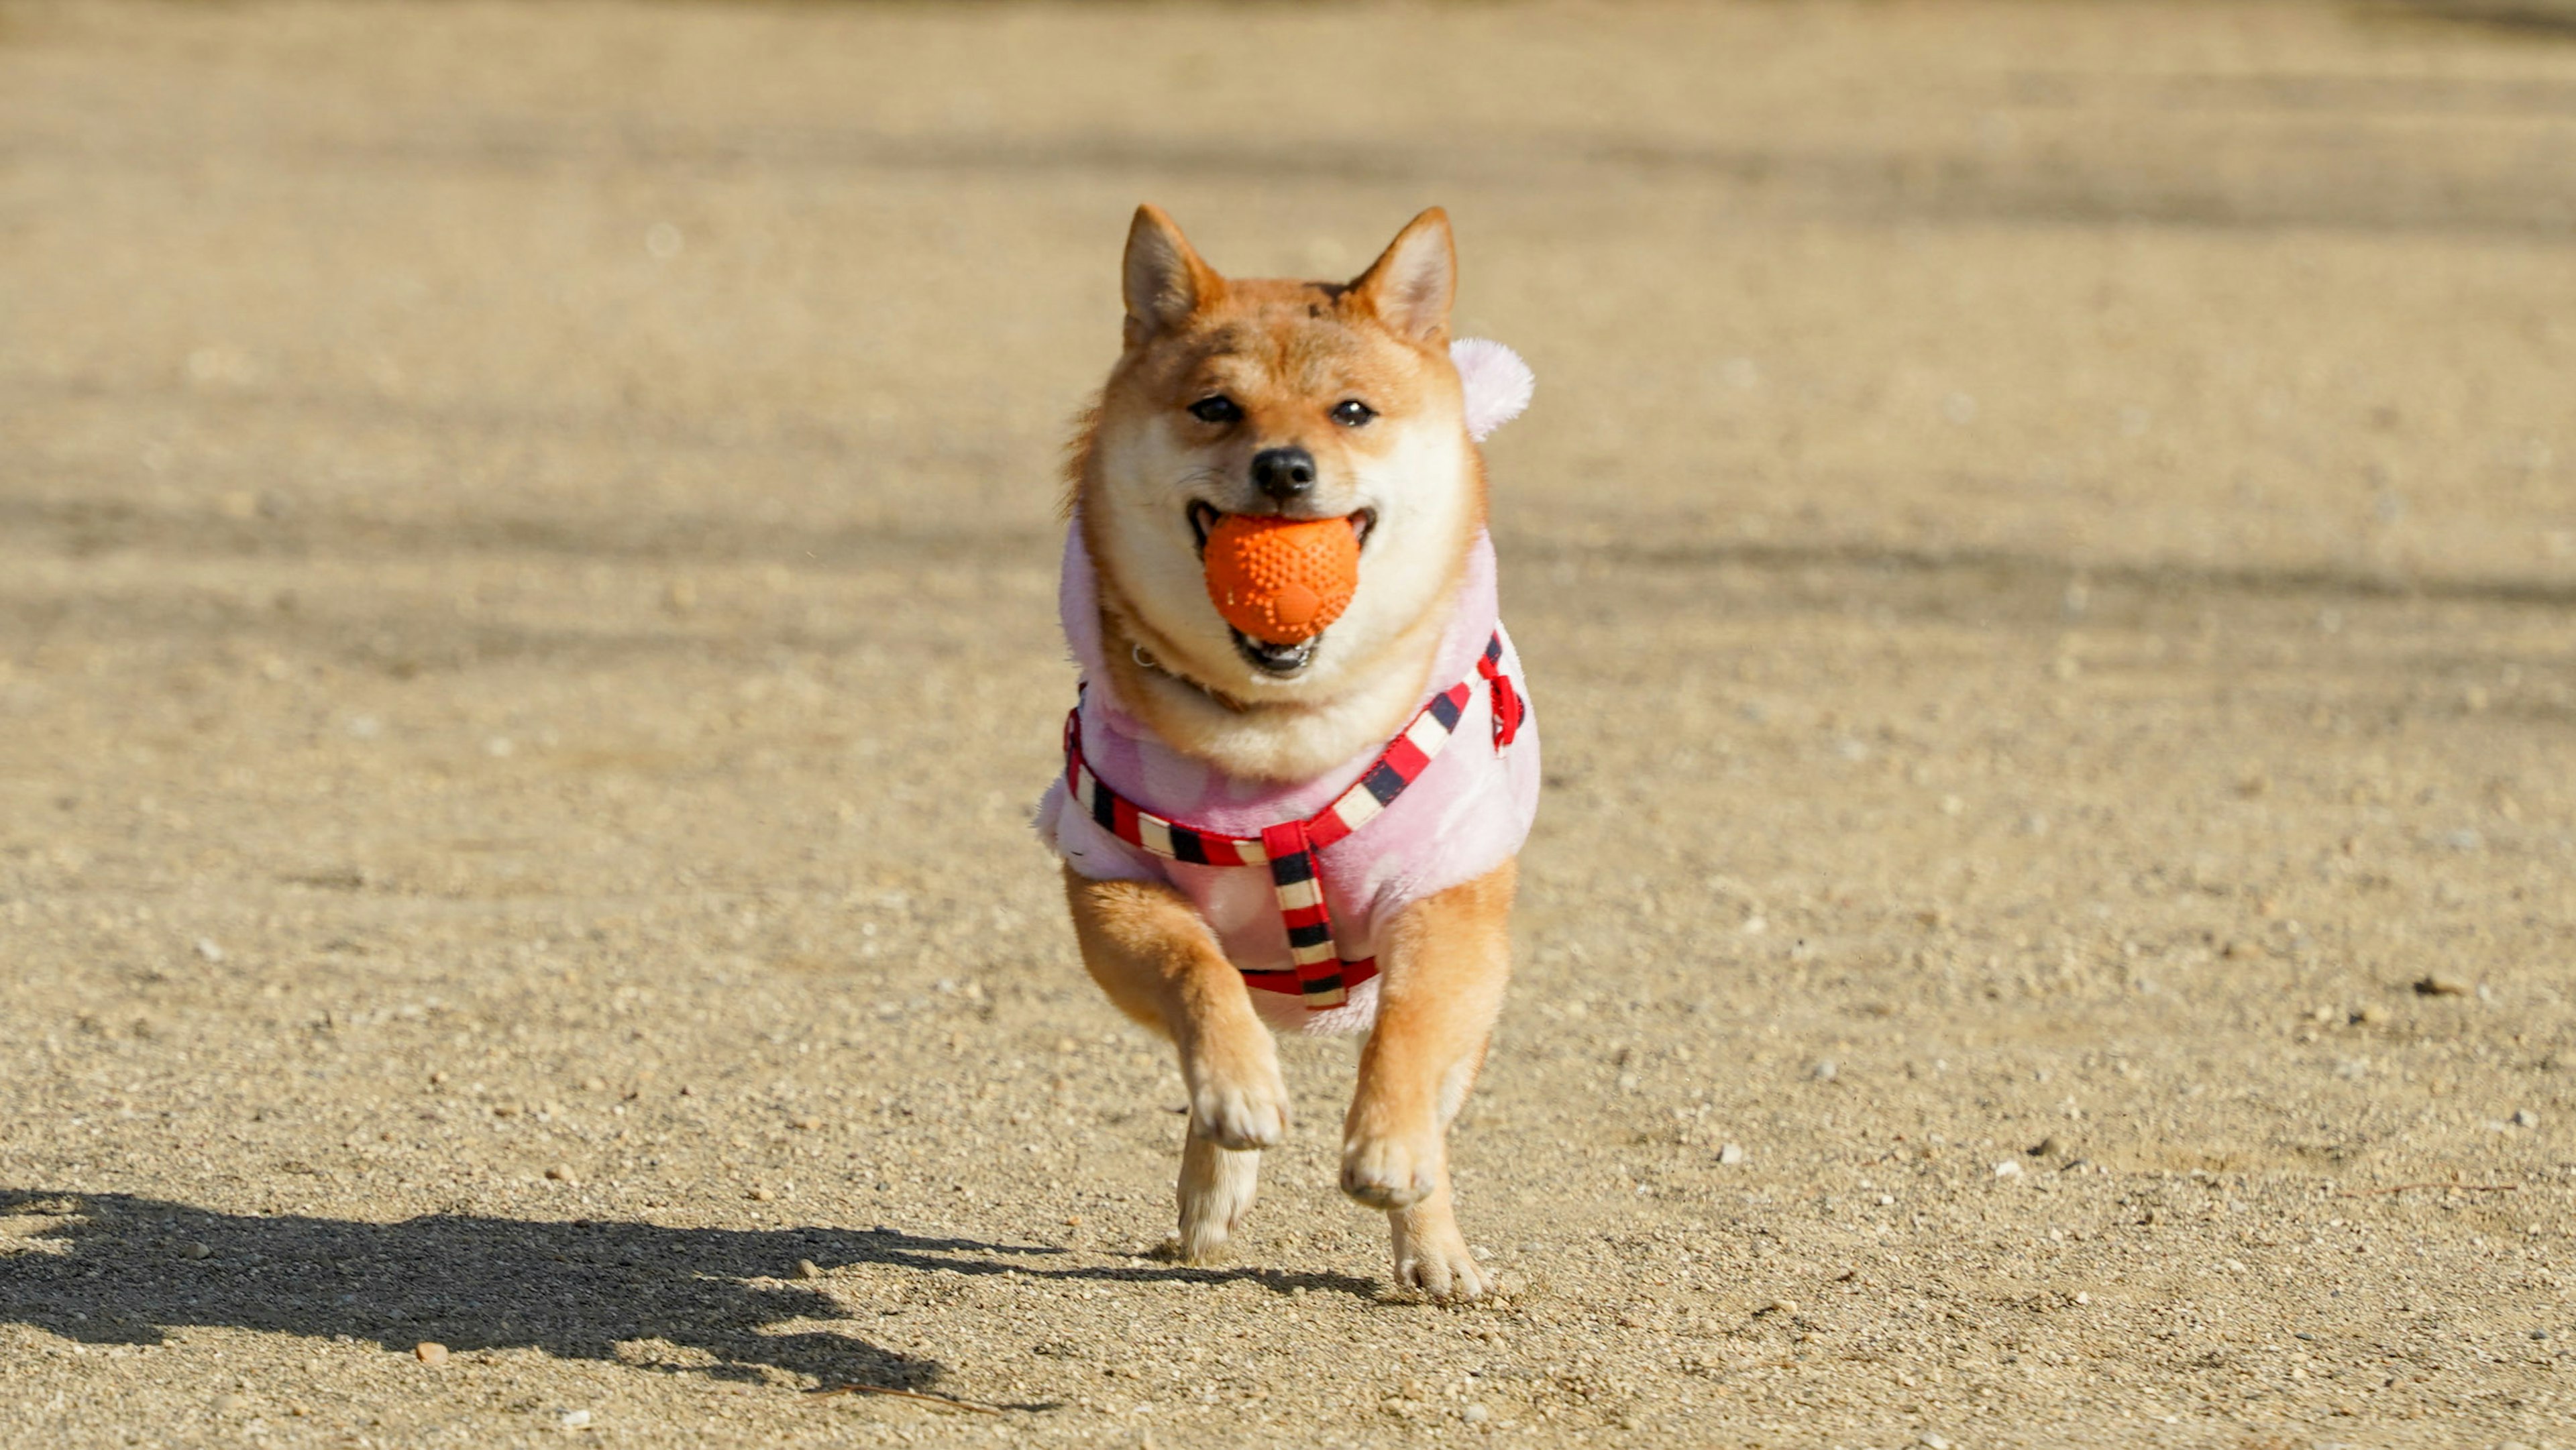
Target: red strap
(1297, 874)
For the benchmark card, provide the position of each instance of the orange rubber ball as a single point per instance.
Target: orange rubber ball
(1282, 580)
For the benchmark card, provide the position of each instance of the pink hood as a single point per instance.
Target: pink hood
(1466, 814)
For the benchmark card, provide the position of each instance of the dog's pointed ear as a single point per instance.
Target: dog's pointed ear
(1164, 281)
(1411, 286)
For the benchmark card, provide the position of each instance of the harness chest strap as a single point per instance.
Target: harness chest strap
(1323, 974)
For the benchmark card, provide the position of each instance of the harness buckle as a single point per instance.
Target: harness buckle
(1506, 700)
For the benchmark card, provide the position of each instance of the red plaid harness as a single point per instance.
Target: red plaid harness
(1323, 972)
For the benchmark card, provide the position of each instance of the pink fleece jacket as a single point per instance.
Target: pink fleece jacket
(1466, 814)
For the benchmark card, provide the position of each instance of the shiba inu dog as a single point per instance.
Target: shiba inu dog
(1318, 832)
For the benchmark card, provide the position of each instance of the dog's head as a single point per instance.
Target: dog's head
(1311, 400)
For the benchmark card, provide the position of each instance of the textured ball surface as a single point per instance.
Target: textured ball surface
(1282, 580)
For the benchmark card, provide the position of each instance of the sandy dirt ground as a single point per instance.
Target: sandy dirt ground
(2046, 544)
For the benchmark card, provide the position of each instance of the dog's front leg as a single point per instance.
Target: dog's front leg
(1445, 960)
(1157, 960)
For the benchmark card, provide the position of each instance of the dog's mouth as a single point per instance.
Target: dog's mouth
(1280, 660)
(1205, 516)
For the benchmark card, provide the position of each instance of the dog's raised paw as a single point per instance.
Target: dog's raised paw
(1390, 1172)
(1239, 1115)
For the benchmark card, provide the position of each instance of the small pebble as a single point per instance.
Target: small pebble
(1826, 1071)
(194, 1251)
(2008, 1169)
(1934, 1442)
(232, 1404)
(2439, 986)
(430, 1352)
(762, 1195)
(2526, 1118)
(206, 948)
(808, 1124)
(576, 1419)
(805, 1269)
(1731, 1154)
(594, 1084)
(561, 1173)
(1474, 1414)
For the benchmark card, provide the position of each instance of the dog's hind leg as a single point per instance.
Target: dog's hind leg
(1445, 960)
(1149, 950)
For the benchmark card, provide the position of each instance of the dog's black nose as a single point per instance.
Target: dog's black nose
(1283, 473)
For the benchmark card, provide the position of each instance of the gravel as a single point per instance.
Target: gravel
(2002, 756)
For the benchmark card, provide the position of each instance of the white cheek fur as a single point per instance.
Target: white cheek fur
(1421, 492)
(1144, 543)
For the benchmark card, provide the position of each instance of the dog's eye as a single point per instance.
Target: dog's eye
(1351, 412)
(1219, 409)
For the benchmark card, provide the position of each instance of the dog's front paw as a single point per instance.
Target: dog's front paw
(1435, 1260)
(1241, 1108)
(1217, 1186)
(1390, 1171)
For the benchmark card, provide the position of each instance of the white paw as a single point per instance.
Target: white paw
(1217, 1187)
(1239, 1113)
(1198, 1243)
(1439, 1265)
(1390, 1172)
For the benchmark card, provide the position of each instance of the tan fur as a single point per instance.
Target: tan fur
(1287, 353)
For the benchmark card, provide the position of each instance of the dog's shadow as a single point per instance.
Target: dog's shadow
(110, 1268)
